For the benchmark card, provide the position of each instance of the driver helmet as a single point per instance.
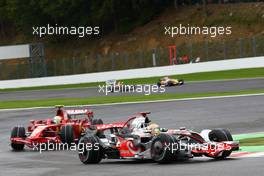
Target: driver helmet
(155, 131)
(139, 123)
(166, 78)
(57, 119)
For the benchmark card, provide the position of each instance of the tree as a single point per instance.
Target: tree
(111, 15)
(3, 17)
(205, 7)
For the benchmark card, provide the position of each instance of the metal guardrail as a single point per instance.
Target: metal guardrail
(231, 64)
(205, 50)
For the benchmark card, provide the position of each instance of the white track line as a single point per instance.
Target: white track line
(254, 155)
(95, 87)
(144, 102)
(247, 155)
(220, 80)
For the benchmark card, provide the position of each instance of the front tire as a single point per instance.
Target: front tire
(18, 132)
(89, 155)
(160, 152)
(220, 135)
(181, 82)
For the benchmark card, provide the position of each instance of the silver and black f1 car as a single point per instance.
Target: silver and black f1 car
(139, 139)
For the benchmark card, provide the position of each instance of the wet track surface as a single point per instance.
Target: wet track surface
(192, 87)
(239, 115)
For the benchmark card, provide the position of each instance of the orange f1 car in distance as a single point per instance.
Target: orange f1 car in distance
(168, 82)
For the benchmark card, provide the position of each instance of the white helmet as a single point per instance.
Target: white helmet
(138, 123)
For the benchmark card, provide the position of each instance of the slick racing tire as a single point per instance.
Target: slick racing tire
(181, 82)
(67, 134)
(92, 154)
(219, 135)
(18, 132)
(162, 148)
(97, 122)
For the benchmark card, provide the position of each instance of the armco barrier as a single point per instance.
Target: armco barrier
(253, 62)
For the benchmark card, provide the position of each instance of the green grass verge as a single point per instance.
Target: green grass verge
(112, 99)
(259, 148)
(252, 141)
(204, 76)
(238, 137)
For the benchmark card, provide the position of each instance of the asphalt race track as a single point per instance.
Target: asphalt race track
(193, 87)
(238, 114)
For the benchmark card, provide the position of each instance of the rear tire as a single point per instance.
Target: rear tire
(91, 155)
(97, 122)
(67, 135)
(18, 132)
(100, 134)
(100, 122)
(170, 84)
(162, 154)
(220, 135)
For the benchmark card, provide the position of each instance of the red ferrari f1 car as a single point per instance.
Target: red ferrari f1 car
(66, 127)
(140, 139)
